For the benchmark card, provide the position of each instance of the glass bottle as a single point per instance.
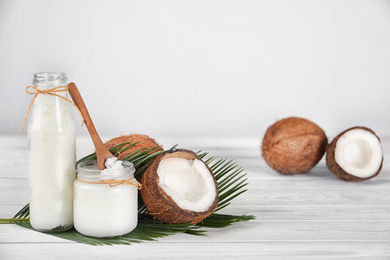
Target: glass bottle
(105, 201)
(52, 157)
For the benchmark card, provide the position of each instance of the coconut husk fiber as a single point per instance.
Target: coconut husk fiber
(143, 141)
(293, 145)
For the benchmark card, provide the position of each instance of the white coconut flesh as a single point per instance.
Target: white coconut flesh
(188, 182)
(359, 153)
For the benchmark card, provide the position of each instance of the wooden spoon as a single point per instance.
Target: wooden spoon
(102, 153)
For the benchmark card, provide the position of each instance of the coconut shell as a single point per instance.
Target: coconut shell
(160, 205)
(293, 145)
(143, 141)
(335, 168)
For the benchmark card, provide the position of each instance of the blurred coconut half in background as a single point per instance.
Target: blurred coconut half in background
(355, 154)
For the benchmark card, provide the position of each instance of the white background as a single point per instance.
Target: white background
(219, 68)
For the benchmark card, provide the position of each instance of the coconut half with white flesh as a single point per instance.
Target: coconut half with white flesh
(355, 154)
(178, 187)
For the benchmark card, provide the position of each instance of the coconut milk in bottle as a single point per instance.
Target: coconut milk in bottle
(52, 156)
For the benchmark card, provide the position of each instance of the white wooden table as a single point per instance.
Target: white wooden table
(309, 216)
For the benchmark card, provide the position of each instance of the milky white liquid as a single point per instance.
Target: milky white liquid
(52, 158)
(104, 211)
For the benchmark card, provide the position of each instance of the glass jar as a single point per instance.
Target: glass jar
(52, 157)
(105, 201)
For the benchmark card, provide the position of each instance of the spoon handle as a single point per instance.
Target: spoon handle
(102, 152)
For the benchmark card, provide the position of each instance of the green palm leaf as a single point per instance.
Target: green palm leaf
(231, 182)
(146, 230)
(20, 217)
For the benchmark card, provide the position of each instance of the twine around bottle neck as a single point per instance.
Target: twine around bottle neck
(49, 91)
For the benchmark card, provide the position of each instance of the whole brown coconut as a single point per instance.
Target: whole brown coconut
(143, 141)
(293, 145)
(355, 154)
(162, 206)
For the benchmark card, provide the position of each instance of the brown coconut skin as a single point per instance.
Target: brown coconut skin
(293, 145)
(335, 168)
(143, 141)
(159, 204)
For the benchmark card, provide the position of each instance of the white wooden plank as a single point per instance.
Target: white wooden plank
(14, 191)
(183, 250)
(284, 212)
(254, 231)
(260, 192)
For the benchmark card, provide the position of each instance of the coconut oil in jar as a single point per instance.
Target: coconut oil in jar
(52, 156)
(105, 201)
